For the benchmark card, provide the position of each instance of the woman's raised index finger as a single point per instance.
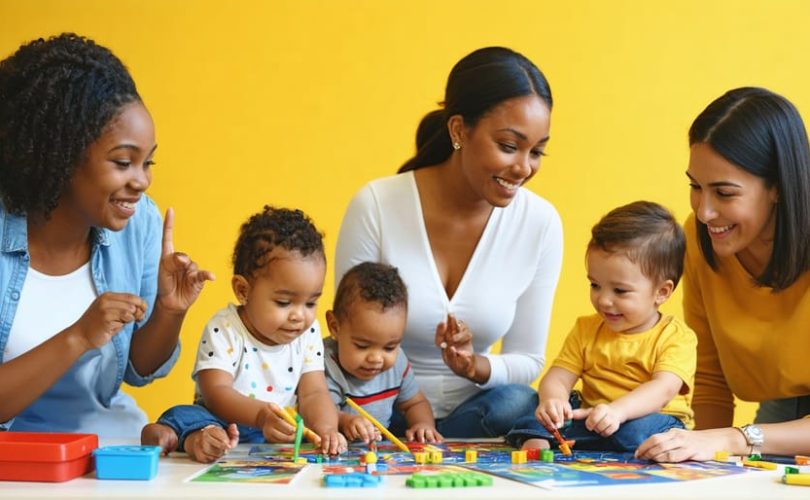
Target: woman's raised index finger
(168, 232)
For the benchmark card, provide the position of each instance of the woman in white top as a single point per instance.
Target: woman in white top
(480, 254)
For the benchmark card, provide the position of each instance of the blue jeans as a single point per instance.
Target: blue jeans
(490, 413)
(185, 419)
(630, 434)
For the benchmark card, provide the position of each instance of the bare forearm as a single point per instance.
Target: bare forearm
(37, 370)
(787, 438)
(344, 419)
(417, 410)
(154, 343)
(233, 407)
(319, 412)
(646, 399)
(556, 384)
(547, 393)
(483, 370)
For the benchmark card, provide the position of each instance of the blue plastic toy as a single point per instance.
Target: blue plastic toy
(353, 480)
(127, 462)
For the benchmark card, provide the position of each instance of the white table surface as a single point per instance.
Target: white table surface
(176, 469)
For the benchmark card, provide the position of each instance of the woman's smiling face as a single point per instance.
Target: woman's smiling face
(115, 171)
(738, 208)
(503, 150)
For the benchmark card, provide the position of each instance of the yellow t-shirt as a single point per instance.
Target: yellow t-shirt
(751, 342)
(612, 364)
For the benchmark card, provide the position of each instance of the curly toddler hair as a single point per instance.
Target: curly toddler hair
(271, 228)
(371, 282)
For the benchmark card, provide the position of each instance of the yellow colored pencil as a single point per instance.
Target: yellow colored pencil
(802, 479)
(385, 432)
(288, 414)
(760, 464)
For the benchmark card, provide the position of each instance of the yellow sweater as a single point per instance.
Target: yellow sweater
(613, 364)
(751, 342)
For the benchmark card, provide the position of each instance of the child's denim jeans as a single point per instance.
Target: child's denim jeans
(490, 413)
(630, 434)
(185, 419)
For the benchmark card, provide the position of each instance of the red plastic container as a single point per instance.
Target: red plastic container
(45, 456)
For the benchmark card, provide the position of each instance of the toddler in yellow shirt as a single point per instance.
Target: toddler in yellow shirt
(637, 366)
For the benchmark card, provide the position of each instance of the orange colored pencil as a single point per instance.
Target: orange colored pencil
(566, 450)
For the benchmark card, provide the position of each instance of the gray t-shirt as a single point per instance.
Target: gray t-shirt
(378, 395)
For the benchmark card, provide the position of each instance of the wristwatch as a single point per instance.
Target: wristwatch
(754, 437)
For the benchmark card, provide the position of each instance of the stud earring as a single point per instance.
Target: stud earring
(456, 145)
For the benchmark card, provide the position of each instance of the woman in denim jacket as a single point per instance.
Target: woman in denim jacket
(93, 292)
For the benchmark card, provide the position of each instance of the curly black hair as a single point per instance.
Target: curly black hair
(271, 228)
(56, 97)
(372, 282)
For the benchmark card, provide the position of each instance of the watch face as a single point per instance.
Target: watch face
(754, 434)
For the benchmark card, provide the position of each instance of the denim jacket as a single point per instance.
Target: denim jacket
(87, 398)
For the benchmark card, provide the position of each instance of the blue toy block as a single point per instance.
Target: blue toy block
(127, 462)
(352, 480)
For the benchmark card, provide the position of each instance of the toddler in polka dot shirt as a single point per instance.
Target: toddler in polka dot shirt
(262, 355)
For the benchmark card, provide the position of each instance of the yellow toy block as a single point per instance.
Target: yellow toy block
(519, 457)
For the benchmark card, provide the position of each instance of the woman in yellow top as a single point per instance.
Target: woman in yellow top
(746, 279)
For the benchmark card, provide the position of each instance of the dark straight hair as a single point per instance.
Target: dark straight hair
(763, 133)
(477, 83)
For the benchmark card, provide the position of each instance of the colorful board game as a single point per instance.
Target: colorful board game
(249, 471)
(453, 452)
(588, 468)
(272, 463)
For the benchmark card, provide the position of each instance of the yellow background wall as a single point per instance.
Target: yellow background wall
(301, 102)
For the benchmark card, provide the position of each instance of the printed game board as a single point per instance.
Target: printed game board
(385, 469)
(604, 468)
(249, 471)
(453, 452)
(272, 463)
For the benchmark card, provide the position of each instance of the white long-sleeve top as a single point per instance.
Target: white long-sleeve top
(506, 292)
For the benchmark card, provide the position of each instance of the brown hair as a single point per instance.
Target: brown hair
(647, 234)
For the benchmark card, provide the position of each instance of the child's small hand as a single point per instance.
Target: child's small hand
(357, 427)
(211, 442)
(602, 419)
(274, 428)
(333, 443)
(423, 433)
(553, 413)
